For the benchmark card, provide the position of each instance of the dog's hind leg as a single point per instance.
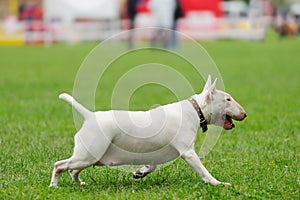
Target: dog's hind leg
(72, 164)
(144, 171)
(193, 160)
(75, 176)
(59, 168)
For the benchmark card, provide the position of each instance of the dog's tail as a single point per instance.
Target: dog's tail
(80, 108)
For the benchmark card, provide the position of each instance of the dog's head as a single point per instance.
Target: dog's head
(221, 107)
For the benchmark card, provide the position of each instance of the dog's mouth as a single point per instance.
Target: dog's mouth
(228, 124)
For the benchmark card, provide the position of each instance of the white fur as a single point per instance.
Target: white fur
(147, 138)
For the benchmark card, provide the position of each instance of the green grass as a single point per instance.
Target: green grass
(260, 157)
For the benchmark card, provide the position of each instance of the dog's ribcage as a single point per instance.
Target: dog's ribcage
(145, 137)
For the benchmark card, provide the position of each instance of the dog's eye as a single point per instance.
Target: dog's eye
(228, 99)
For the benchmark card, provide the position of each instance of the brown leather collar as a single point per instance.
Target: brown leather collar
(203, 122)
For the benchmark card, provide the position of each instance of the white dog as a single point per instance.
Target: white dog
(148, 138)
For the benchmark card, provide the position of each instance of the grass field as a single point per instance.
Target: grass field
(260, 157)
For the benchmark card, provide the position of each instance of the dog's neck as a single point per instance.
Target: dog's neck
(203, 104)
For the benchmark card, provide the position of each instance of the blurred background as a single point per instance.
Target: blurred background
(49, 21)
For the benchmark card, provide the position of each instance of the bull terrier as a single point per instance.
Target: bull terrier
(148, 138)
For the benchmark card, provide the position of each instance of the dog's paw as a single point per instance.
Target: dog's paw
(53, 185)
(216, 182)
(212, 181)
(138, 174)
(83, 183)
(226, 184)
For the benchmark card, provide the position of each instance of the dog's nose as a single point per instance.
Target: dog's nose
(245, 115)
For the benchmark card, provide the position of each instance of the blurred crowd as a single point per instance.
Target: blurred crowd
(166, 14)
(284, 18)
(287, 21)
(30, 11)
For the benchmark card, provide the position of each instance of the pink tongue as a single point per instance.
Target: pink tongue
(227, 125)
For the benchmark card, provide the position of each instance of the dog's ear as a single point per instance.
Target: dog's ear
(208, 83)
(213, 87)
(210, 90)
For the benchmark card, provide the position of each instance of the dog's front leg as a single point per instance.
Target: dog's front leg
(193, 160)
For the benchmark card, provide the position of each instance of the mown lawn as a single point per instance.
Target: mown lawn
(260, 157)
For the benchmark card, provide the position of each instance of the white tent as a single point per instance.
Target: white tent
(72, 9)
(76, 20)
(295, 9)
